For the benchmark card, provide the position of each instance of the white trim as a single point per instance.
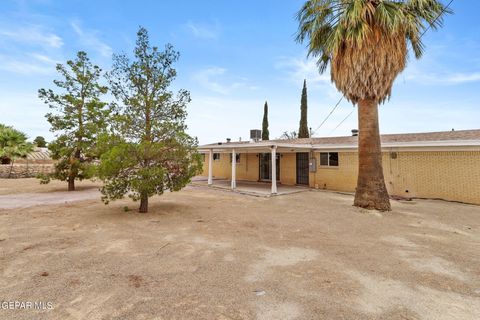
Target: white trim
(274, 170)
(234, 169)
(210, 167)
(450, 145)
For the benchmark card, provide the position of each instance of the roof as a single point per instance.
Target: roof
(401, 137)
(39, 154)
(424, 139)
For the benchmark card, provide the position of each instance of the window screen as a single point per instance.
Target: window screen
(324, 158)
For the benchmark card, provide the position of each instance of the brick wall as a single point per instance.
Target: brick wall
(449, 175)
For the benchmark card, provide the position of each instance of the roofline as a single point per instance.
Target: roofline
(470, 144)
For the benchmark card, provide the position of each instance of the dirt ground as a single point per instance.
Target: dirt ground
(211, 254)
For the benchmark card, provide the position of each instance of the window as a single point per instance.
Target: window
(324, 158)
(237, 158)
(216, 156)
(329, 159)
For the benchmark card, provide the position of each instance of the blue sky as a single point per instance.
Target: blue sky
(234, 56)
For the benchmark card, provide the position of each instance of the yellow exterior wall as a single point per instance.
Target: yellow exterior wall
(288, 169)
(247, 167)
(448, 175)
(341, 178)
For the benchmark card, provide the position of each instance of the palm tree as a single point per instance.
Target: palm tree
(13, 144)
(365, 44)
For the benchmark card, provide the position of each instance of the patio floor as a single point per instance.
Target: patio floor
(259, 189)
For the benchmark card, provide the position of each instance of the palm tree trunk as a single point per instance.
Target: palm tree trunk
(11, 168)
(143, 203)
(371, 192)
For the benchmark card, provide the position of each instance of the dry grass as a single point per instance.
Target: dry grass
(207, 254)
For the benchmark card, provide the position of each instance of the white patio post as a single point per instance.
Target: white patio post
(234, 168)
(274, 170)
(210, 167)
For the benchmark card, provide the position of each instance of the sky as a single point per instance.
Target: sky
(235, 55)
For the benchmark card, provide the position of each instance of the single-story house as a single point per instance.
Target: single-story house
(438, 165)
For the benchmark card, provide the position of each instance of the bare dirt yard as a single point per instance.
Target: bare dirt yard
(211, 254)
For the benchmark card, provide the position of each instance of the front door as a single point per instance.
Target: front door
(302, 168)
(266, 166)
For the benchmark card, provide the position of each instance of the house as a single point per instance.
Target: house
(437, 165)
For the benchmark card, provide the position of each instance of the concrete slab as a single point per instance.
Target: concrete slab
(259, 189)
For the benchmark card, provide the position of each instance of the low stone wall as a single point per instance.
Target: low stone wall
(24, 170)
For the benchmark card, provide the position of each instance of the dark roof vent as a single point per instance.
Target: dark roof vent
(228, 140)
(354, 132)
(255, 135)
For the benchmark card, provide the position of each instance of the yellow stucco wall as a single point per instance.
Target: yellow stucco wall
(449, 175)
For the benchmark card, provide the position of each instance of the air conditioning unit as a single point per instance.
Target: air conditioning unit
(255, 135)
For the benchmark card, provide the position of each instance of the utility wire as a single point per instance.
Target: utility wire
(435, 20)
(328, 116)
(338, 103)
(342, 121)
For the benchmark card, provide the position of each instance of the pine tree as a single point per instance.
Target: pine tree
(303, 130)
(149, 151)
(79, 117)
(265, 133)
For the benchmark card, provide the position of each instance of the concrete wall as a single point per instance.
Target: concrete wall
(449, 175)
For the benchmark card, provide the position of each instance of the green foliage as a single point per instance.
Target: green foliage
(303, 130)
(148, 151)
(328, 24)
(40, 142)
(13, 144)
(79, 117)
(265, 132)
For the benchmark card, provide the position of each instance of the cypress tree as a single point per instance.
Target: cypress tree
(265, 133)
(303, 130)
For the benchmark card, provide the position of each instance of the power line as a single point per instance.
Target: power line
(328, 116)
(343, 121)
(338, 103)
(435, 20)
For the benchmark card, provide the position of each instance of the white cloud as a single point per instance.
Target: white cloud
(33, 63)
(33, 35)
(203, 31)
(297, 69)
(217, 118)
(89, 38)
(453, 78)
(217, 80)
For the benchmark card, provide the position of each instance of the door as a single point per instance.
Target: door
(302, 168)
(266, 166)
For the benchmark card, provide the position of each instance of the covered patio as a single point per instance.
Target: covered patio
(272, 187)
(260, 189)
